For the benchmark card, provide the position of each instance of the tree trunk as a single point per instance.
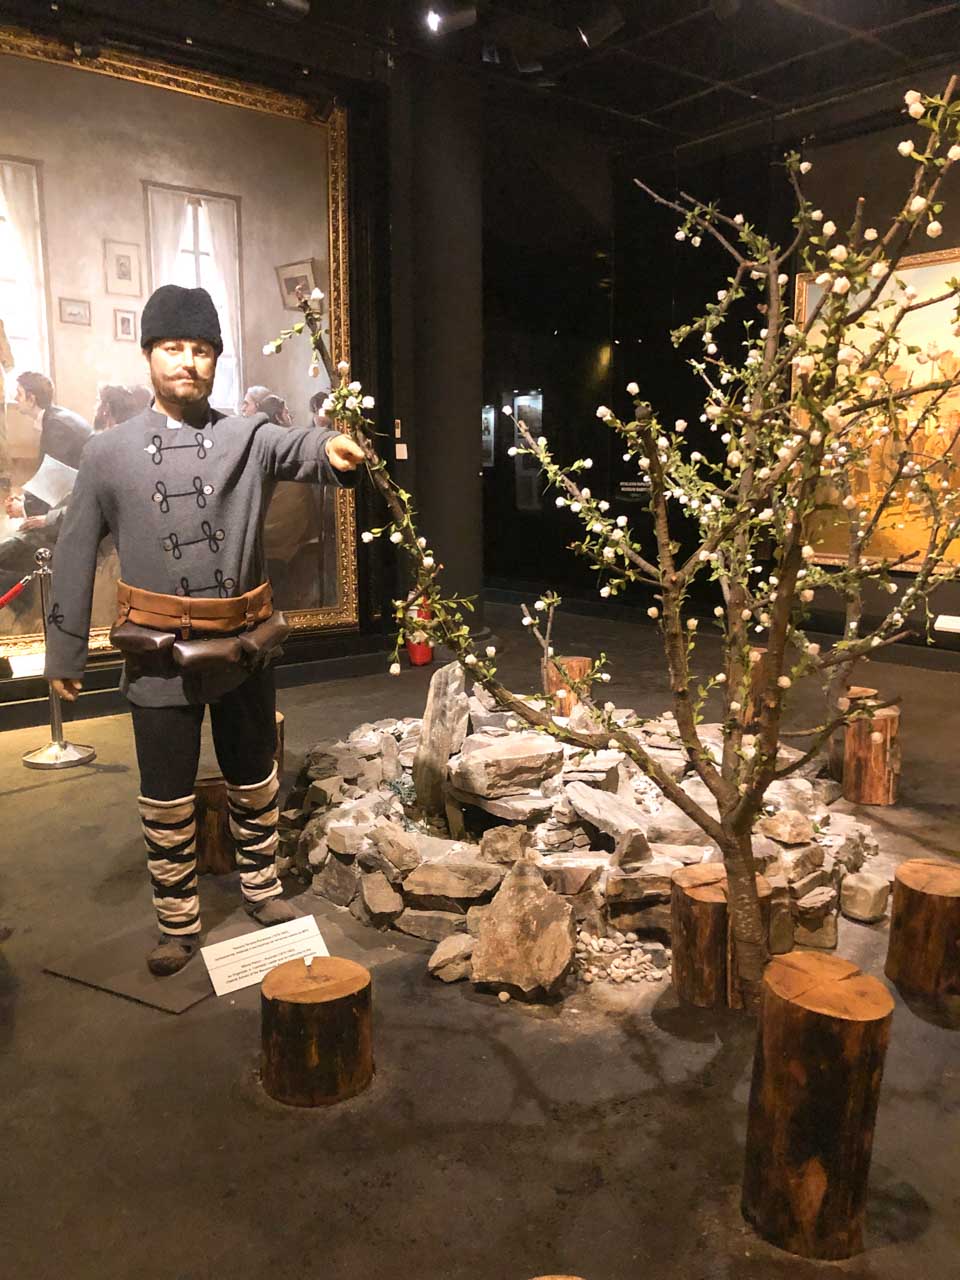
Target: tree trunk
(316, 1031)
(821, 1043)
(706, 970)
(923, 956)
(559, 685)
(216, 854)
(856, 693)
(746, 921)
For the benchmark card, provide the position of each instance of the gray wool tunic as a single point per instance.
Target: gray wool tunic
(185, 506)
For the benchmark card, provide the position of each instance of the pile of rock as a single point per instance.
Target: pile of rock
(550, 839)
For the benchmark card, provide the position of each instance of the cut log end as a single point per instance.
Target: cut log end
(923, 954)
(822, 1040)
(316, 1027)
(705, 971)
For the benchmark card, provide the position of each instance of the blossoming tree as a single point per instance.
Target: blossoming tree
(800, 407)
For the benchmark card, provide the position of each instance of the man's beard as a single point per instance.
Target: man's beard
(183, 391)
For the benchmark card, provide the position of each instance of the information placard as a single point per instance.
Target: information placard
(240, 962)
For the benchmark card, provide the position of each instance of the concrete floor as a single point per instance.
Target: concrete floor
(602, 1139)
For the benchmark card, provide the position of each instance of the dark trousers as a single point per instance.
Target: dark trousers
(244, 729)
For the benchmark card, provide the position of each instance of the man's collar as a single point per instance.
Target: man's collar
(173, 424)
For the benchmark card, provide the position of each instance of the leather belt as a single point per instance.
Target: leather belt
(200, 615)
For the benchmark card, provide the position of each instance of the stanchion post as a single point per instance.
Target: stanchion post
(58, 753)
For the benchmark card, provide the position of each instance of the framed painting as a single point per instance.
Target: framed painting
(930, 331)
(193, 216)
(296, 275)
(122, 268)
(74, 310)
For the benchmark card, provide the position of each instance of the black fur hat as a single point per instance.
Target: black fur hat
(175, 312)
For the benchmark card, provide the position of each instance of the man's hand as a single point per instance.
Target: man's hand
(67, 690)
(14, 506)
(344, 454)
(33, 522)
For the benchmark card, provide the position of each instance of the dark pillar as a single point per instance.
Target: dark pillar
(438, 309)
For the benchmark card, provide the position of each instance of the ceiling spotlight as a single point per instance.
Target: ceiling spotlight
(600, 23)
(456, 17)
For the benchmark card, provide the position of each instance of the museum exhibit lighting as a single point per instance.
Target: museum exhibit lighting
(458, 17)
(599, 23)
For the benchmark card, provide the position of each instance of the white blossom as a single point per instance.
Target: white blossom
(905, 148)
(934, 229)
(816, 215)
(718, 611)
(603, 504)
(394, 668)
(692, 624)
(512, 451)
(328, 405)
(680, 425)
(841, 285)
(829, 227)
(603, 413)
(605, 677)
(608, 553)
(954, 152)
(755, 656)
(355, 387)
(816, 437)
(878, 269)
(680, 235)
(734, 706)
(421, 543)
(604, 592)
(916, 109)
(396, 536)
(367, 402)
(653, 612)
(575, 507)
(696, 241)
(633, 389)
(470, 660)
(508, 410)
(870, 233)
(526, 622)
(813, 650)
(839, 253)
(351, 403)
(738, 219)
(917, 204)
(912, 96)
(561, 501)
(806, 595)
(784, 682)
(790, 330)
(805, 166)
(343, 366)
(491, 651)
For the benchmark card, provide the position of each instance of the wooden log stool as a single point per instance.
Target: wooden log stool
(316, 1031)
(857, 693)
(216, 853)
(824, 1028)
(704, 961)
(278, 753)
(871, 758)
(923, 954)
(558, 685)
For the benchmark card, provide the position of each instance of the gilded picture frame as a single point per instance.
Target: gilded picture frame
(928, 274)
(343, 613)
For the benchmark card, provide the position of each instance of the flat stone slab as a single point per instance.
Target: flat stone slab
(432, 925)
(451, 885)
(788, 826)
(505, 766)
(451, 961)
(622, 821)
(516, 808)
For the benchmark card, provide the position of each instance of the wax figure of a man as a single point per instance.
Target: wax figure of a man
(183, 489)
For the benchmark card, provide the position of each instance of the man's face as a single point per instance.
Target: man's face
(182, 370)
(26, 403)
(249, 406)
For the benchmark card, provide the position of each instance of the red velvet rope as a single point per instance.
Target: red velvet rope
(15, 590)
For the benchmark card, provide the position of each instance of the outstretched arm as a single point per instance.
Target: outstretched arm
(308, 454)
(74, 568)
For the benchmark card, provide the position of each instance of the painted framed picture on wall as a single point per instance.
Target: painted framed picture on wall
(122, 268)
(74, 311)
(294, 275)
(124, 325)
(928, 346)
(204, 215)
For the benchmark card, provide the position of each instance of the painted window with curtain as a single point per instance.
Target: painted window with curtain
(23, 308)
(195, 241)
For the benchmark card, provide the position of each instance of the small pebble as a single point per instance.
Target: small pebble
(503, 997)
(588, 978)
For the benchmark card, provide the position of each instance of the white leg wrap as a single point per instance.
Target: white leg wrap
(170, 833)
(254, 813)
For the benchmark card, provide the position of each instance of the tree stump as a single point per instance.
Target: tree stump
(278, 753)
(316, 1031)
(216, 853)
(923, 955)
(824, 1028)
(856, 693)
(559, 685)
(704, 961)
(871, 758)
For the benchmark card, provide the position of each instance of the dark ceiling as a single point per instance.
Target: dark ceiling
(655, 75)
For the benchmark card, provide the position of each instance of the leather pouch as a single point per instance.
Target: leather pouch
(130, 637)
(266, 638)
(199, 656)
